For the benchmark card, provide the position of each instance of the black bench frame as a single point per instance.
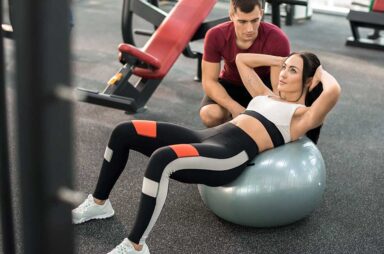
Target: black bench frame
(374, 20)
(124, 95)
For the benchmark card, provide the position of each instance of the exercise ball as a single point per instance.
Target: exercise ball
(280, 186)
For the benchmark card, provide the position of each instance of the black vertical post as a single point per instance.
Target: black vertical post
(290, 10)
(355, 31)
(275, 12)
(44, 123)
(5, 180)
(127, 22)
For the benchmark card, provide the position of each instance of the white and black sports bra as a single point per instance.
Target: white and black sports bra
(273, 113)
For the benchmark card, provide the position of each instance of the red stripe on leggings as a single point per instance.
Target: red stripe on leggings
(145, 128)
(185, 150)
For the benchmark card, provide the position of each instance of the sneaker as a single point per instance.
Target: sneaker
(89, 210)
(126, 247)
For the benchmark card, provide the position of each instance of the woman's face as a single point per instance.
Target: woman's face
(290, 78)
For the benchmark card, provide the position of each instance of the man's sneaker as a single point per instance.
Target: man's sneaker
(89, 210)
(126, 247)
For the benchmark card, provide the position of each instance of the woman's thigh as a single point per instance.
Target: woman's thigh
(212, 165)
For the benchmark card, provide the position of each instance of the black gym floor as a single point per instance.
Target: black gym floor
(350, 219)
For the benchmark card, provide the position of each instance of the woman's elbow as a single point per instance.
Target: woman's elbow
(337, 91)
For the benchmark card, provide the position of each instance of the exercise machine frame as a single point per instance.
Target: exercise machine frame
(357, 19)
(275, 9)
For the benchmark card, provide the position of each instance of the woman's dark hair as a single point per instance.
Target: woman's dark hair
(246, 6)
(310, 64)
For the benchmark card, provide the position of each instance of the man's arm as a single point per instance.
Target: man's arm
(214, 90)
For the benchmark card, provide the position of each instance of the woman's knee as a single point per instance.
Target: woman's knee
(159, 161)
(122, 130)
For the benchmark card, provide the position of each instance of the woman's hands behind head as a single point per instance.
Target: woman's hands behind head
(316, 79)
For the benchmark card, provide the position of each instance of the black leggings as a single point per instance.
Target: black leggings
(213, 157)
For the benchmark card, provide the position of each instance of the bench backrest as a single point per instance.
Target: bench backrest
(378, 6)
(173, 35)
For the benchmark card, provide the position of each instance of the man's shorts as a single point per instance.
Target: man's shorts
(237, 93)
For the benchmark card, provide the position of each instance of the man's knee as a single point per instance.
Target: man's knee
(212, 115)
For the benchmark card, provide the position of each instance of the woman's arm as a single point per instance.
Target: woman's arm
(326, 101)
(246, 62)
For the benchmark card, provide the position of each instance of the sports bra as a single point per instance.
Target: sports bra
(278, 114)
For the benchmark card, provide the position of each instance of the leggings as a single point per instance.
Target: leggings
(214, 157)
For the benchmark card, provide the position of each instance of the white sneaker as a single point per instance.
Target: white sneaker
(126, 247)
(89, 210)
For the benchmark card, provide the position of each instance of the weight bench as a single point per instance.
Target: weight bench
(151, 63)
(150, 11)
(374, 20)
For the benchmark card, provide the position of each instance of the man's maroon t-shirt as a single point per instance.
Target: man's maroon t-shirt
(220, 44)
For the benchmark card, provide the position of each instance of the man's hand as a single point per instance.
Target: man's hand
(236, 110)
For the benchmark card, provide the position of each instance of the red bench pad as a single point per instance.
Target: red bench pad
(378, 6)
(173, 35)
(142, 56)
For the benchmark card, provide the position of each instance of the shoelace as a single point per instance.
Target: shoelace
(123, 248)
(84, 206)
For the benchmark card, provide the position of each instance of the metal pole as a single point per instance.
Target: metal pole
(5, 180)
(44, 123)
(275, 12)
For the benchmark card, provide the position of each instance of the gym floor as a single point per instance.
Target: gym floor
(348, 220)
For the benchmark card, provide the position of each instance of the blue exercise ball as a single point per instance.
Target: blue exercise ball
(280, 186)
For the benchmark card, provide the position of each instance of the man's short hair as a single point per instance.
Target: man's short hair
(246, 6)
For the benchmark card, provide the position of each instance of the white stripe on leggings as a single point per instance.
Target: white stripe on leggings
(108, 154)
(150, 187)
(189, 163)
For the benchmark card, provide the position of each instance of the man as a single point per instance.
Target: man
(225, 95)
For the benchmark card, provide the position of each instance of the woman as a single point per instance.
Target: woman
(218, 155)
